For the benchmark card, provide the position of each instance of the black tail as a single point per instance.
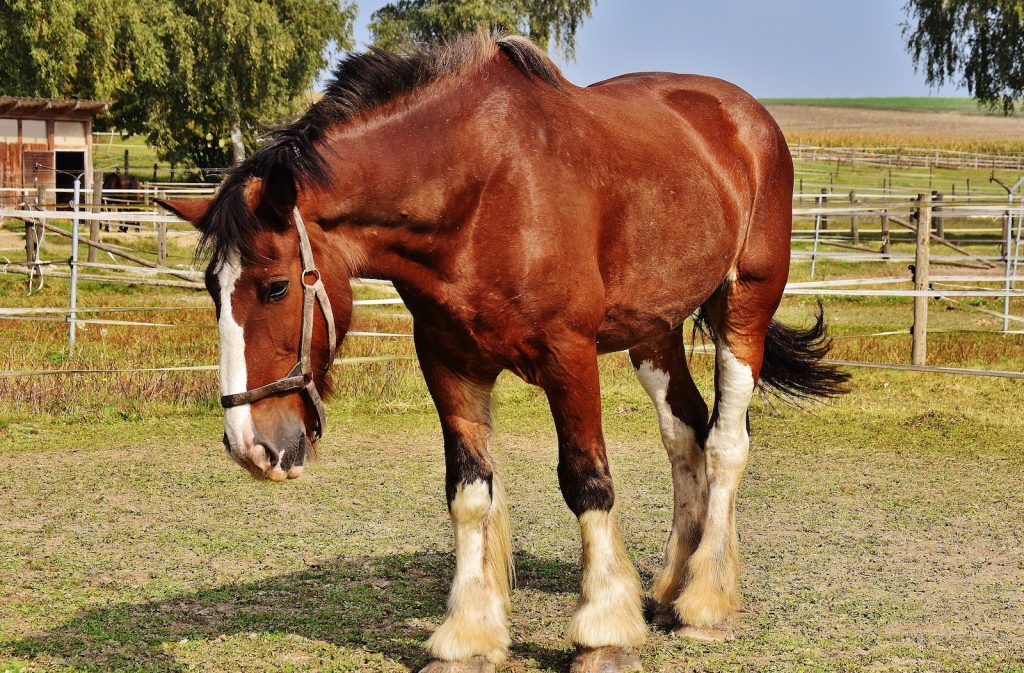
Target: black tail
(792, 367)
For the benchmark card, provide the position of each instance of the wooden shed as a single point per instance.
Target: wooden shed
(38, 135)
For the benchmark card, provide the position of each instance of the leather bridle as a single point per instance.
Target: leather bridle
(301, 375)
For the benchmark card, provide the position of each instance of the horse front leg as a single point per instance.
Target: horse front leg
(608, 624)
(474, 636)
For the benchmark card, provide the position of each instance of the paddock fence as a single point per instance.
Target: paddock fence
(908, 157)
(979, 234)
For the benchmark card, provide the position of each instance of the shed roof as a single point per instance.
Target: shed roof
(50, 106)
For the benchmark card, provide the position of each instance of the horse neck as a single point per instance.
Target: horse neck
(400, 191)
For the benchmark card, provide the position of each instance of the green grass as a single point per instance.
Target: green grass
(900, 103)
(108, 154)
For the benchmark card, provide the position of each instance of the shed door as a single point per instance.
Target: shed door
(44, 176)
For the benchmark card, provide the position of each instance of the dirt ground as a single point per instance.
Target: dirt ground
(797, 120)
(885, 533)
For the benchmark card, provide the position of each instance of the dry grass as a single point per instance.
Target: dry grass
(862, 127)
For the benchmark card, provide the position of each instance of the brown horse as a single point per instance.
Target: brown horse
(119, 181)
(529, 225)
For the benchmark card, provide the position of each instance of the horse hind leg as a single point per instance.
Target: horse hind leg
(682, 417)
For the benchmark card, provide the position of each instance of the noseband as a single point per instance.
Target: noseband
(301, 375)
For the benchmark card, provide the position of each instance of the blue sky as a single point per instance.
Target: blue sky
(777, 48)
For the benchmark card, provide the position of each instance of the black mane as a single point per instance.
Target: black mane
(361, 82)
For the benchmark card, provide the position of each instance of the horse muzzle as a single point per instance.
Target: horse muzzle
(273, 460)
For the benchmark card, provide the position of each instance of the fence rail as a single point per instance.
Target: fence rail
(838, 221)
(908, 157)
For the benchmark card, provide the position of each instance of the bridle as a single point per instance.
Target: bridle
(301, 375)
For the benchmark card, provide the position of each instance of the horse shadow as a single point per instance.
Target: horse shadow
(379, 604)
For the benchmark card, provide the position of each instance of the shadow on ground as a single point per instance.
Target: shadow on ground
(372, 603)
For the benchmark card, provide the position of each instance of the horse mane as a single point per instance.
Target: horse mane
(360, 83)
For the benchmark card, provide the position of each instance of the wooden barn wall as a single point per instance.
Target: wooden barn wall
(17, 159)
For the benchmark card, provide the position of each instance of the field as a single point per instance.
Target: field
(882, 532)
(897, 103)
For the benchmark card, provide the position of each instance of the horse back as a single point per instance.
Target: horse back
(687, 163)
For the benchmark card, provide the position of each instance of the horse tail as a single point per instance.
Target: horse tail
(794, 366)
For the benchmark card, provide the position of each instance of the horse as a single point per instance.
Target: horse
(118, 180)
(529, 225)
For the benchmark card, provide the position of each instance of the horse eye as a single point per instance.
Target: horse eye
(278, 289)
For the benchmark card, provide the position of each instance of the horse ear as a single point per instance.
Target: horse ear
(190, 210)
(279, 193)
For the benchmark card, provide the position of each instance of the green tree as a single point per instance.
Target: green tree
(405, 22)
(199, 78)
(978, 43)
(76, 48)
(237, 65)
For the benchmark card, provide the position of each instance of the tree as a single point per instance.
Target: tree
(238, 64)
(406, 22)
(978, 43)
(77, 48)
(199, 78)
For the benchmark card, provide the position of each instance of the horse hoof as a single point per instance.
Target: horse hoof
(661, 616)
(605, 660)
(474, 665)
(720, 633)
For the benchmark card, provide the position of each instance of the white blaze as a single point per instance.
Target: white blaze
(233, 375)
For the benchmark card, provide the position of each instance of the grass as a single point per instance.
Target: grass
(108, 155)
(137, 546)
(898, 103)
(879, 533)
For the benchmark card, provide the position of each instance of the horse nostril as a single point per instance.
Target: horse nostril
(273, 455)
(227, 444)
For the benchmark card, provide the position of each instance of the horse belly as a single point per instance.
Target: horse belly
(659, 270)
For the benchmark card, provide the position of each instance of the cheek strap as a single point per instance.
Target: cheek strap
(301, 375)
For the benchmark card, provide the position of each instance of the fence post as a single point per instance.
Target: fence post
(95, 200)
(31, 243)
(854, 229)
(1007, 265)
(937, 219)
(886, 243)
(38, 233)
(1004, 245)
(822, 200)
(919, 349)
(161, 244)
(155, 167)
(817, 230)
(73, 263)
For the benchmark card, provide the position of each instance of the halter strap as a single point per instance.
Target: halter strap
(301, 375)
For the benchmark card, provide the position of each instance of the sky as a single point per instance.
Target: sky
(771, 48)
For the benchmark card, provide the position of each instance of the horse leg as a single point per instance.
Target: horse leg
(608, 623)
(474, 636)
(740, 312)
(682, 416)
